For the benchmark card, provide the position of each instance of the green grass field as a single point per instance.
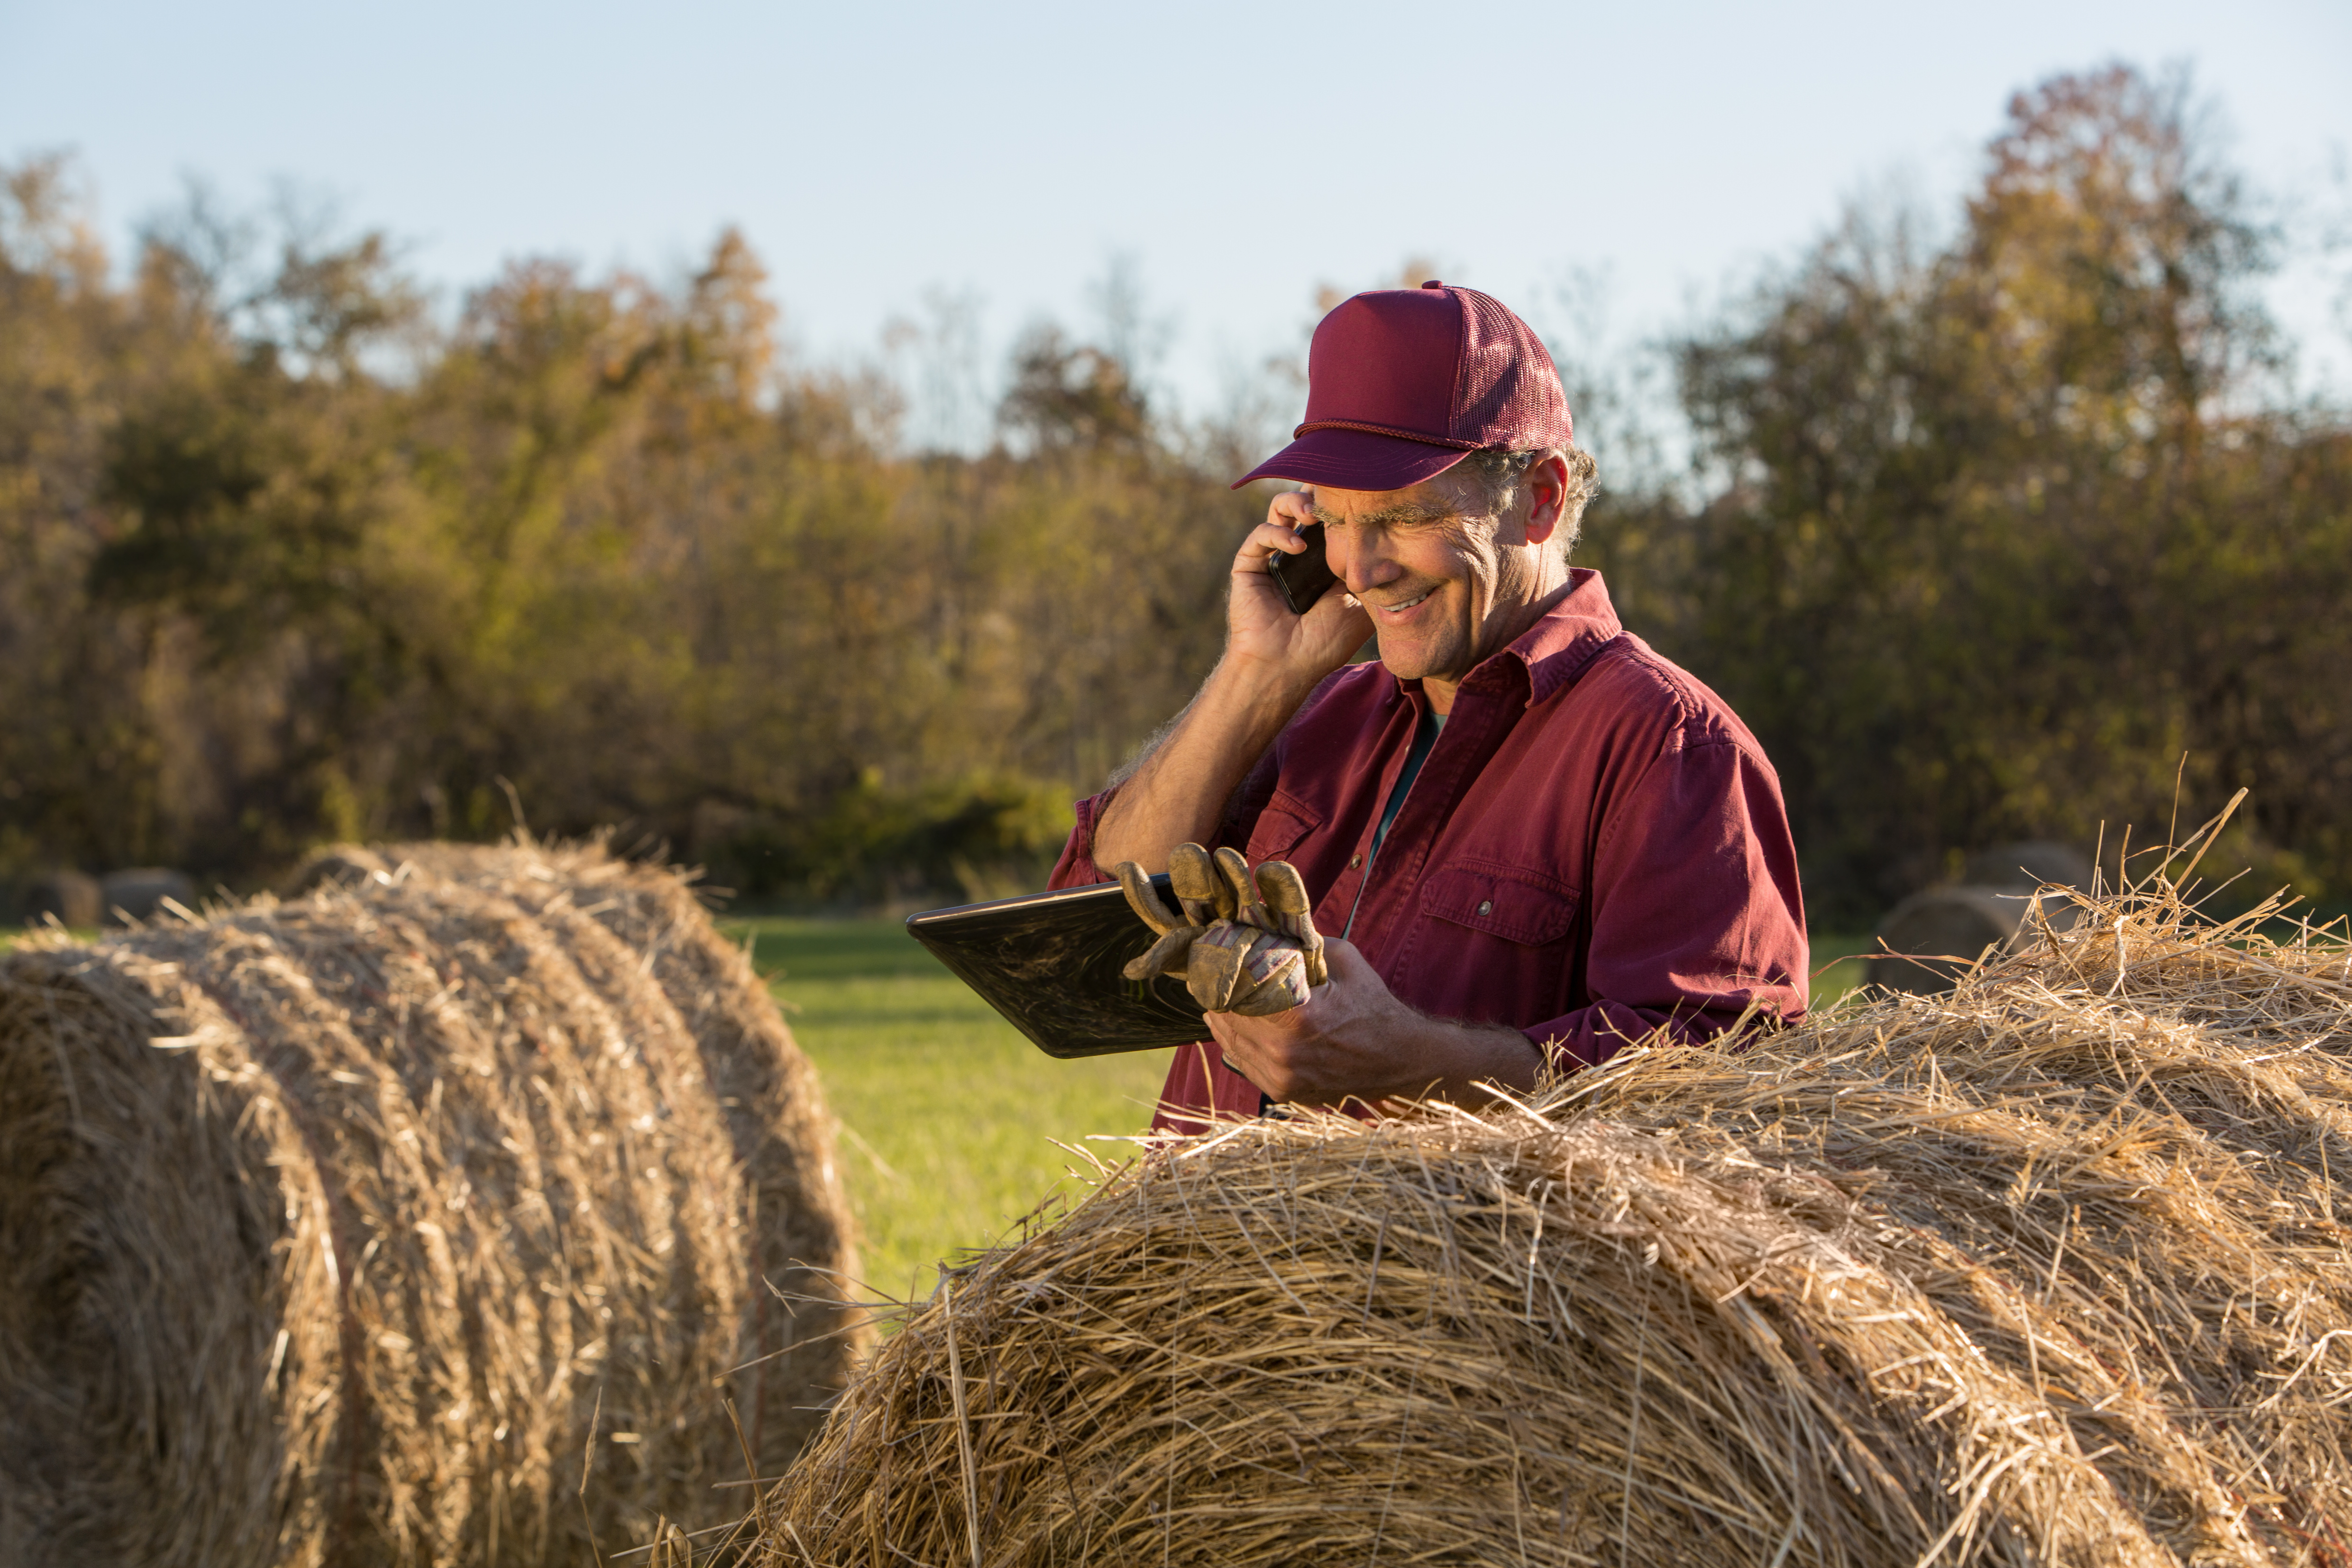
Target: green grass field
(1838, 962)
(950, 1119)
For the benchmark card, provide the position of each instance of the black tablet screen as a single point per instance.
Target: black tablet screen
(1050, 963)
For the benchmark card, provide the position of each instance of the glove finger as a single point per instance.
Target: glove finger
(1211, 977)
(1238, 895)
(1281, 886)
(1285, 894)
(1144, 900)
(1194, 876)
(1166, 956)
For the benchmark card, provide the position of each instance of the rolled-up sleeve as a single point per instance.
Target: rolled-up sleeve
(1077, 868)
(1694, 908)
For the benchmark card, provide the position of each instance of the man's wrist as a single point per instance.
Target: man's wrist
(1486, 1054)
(1464, 1056)
(1269, 689)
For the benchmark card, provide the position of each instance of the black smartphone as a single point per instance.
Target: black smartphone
(1306, 576)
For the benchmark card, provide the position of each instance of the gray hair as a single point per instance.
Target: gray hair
(1494, 474)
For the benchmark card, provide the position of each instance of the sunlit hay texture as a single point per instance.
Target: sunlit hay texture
(767, 1091)
(355, 1229)
(2046, 1271)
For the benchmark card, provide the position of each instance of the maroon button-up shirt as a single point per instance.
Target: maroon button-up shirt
(1594, 847)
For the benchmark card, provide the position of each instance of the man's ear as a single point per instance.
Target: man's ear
(1547, 493)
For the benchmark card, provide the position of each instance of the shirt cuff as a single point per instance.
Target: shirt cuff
(1590, 1035)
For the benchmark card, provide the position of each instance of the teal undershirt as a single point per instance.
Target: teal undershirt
(1424, 738)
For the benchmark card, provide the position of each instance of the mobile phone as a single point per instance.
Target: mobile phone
(1306, 576)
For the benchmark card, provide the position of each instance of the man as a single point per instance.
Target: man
(1529, 839)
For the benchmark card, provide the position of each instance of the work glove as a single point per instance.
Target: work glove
(1245, 942)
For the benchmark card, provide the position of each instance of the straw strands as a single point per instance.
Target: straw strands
(420, 1219)
(2046, 1271)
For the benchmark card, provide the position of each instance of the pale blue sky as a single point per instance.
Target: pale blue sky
(1241, 153)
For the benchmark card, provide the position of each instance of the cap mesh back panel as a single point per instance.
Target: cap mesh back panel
(1508, 393)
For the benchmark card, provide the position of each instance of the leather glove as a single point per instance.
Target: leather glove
(1245, 940)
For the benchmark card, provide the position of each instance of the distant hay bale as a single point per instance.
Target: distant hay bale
(139, 892)
(345, 1230)
(2047, 1271)
(70, 898)
(1926, 940)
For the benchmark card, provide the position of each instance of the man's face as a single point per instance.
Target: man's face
(1444, 589)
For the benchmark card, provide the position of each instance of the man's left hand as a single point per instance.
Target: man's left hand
(1354, 1041)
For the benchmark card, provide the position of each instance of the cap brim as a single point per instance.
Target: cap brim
(1355, 460)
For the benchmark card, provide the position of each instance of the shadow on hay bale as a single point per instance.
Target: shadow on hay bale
(2046, 1271)
(346, 1230)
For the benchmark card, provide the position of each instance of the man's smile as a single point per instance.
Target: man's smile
(1397, 610)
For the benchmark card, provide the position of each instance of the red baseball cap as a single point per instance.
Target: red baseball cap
(1403, 384)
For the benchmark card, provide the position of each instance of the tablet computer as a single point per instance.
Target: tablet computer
(1050, 963)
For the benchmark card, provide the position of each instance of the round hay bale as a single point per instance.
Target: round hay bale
(421, 1220)
(70, 898)
(1930, 938)
(139, 893)
(2047, 1271)
(767, 1091)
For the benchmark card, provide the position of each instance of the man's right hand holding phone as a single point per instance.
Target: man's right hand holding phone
(1263, 630)
(1274, 659)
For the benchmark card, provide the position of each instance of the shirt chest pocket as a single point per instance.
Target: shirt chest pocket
(1518, 905)
(1281, 828)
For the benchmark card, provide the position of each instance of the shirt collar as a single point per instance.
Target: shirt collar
(1557, 648)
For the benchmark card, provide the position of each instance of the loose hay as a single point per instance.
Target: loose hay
(2047, 1271)
(351, 1230)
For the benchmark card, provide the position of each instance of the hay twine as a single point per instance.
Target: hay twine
(2046, 1270)
(426, 1218)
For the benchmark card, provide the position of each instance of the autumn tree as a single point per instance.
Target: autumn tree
(2006, 526)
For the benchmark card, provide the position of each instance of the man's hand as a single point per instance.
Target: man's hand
(1273, 660)
(1260, 628)
(1353, 1040)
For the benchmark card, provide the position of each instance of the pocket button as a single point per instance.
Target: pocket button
(1486, 906)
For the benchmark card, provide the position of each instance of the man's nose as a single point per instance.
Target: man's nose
(1368, 564)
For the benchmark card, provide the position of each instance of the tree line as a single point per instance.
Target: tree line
(594, 551)
(1985, 534)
